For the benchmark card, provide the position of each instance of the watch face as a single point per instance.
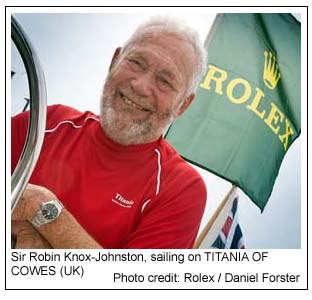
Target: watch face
(49, 211)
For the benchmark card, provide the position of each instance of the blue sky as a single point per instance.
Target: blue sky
(75, 51)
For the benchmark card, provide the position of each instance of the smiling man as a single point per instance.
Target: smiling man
(112, 181)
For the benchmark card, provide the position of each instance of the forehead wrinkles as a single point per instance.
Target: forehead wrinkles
(159, 61)
(171, 53)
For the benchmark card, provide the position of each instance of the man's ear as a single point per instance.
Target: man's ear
(186, 103)
(115, 56)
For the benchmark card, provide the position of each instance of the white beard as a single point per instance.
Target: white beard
(121, 128)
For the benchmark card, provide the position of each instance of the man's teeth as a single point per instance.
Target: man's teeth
(126, 100)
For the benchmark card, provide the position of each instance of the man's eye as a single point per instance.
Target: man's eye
(136, 64)
(164, 84)
(164, 81)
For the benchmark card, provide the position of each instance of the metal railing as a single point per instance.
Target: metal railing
(37, 115)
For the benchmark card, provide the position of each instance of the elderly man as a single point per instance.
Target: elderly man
(112, 181)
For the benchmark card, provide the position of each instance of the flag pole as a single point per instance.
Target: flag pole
(210, 222)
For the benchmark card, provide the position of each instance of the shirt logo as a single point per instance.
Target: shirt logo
(122, 201)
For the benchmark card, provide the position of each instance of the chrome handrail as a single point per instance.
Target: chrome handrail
(37, 115)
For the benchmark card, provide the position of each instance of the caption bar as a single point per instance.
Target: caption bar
(152, 269)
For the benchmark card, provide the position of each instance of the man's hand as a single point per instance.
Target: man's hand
(63, 233)
(30, 202)
(27, 237)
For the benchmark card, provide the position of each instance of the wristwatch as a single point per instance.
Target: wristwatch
(47, 213)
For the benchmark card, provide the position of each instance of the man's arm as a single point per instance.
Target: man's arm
(63, 233)
(27, 237)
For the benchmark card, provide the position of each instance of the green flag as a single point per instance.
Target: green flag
(247, 108)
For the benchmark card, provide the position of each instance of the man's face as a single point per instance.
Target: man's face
(144, 90)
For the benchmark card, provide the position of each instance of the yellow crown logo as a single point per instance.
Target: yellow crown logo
(271, 74)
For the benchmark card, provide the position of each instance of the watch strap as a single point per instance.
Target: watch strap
(39, 219)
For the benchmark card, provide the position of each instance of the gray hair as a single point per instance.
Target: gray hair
(170, 25)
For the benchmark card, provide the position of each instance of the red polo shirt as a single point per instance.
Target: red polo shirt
(139, 196)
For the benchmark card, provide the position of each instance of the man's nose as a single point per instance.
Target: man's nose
(143, 84)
